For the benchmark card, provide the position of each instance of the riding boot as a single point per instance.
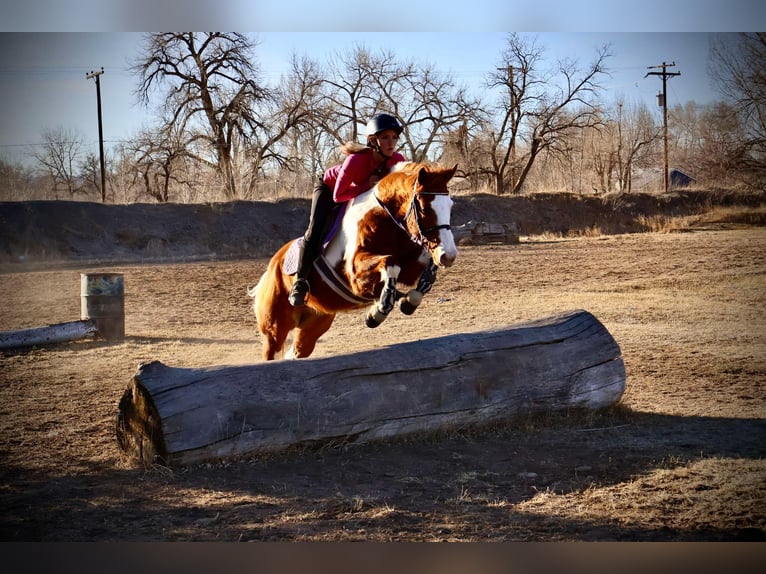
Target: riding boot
(321, 206)
(301, 288)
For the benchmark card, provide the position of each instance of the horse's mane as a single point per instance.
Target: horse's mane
(399, 182)
(405, 173)
(409, 166)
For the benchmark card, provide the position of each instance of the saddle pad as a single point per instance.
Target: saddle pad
(290, 264)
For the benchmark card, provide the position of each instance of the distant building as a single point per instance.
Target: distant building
(649, 180)
(677, 178)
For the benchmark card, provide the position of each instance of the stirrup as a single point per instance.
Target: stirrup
(299, 292)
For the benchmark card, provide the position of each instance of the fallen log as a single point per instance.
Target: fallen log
(102, 306)
(179, 416)
(59, 333)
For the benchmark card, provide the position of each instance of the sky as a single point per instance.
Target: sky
(43, 64)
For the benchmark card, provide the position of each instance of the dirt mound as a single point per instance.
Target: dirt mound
(50, 231)
(67, 230)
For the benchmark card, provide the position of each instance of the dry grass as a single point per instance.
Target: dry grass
(736, 215)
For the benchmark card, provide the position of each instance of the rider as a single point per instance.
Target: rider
(360, 171)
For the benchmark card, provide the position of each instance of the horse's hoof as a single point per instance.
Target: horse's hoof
(410, 302)
(406, 307)
(373, 319)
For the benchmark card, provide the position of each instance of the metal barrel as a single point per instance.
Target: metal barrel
(103, 302)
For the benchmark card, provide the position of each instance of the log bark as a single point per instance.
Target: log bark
(60, 333)
(179, 416)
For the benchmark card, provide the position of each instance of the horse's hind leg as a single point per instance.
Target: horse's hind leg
(272, 344)
(308, 334)
(274, 334)
(274, 316)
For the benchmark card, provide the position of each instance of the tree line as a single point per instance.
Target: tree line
(222, 133)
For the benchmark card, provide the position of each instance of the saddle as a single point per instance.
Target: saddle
(321, 266)
(290, 264)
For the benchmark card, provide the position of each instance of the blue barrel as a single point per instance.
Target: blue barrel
(103, 302)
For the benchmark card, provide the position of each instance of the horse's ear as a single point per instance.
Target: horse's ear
(422, 175)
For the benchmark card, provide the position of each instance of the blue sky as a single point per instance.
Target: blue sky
(43, 68)
(45, 85)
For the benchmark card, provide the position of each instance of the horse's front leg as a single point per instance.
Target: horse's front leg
(413, 298)
(388, 297)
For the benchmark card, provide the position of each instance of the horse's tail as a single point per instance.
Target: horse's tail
(272, 310)
(255, 292)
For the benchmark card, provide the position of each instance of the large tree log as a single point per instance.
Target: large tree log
(184, 416)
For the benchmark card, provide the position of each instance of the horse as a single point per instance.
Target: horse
(396, 233)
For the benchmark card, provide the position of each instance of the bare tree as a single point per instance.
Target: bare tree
(285, 121)
(427, 102)
(726, 150)
(636, 135)
(159, 160)
(60, 155)
(347, 98)
(625, 141)
(90, 174)
(602, 152)
(738, 66)
(16, 181)
(211, 90)
(538, 110)
(684, 139)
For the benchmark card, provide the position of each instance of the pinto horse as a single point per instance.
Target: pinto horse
(397, 233)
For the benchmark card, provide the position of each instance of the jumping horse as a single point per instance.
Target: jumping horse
(395, 234)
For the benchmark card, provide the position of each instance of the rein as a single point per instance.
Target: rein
(421, 238)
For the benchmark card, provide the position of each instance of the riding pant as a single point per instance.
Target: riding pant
(322, 204)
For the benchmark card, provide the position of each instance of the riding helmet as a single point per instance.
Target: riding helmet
(382, 122)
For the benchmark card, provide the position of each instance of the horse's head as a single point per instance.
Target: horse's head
(430, 211)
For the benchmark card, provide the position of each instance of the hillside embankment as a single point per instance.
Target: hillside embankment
(45, 232)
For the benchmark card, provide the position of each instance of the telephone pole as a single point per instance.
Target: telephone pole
(100, 129)
(662, 100)
(513, 114)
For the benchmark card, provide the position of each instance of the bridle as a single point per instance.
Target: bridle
(414, 208)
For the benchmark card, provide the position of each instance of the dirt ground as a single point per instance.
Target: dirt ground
(679, 458)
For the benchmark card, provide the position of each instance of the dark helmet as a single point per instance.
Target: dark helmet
(382, 122)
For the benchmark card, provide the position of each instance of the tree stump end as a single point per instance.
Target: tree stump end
(139, 425)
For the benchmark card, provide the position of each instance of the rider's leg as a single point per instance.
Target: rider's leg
(321, 206)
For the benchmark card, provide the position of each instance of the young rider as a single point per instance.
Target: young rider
(360, 171)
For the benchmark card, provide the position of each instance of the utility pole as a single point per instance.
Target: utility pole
(100, 129)
(662, 100)
(513, 115)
